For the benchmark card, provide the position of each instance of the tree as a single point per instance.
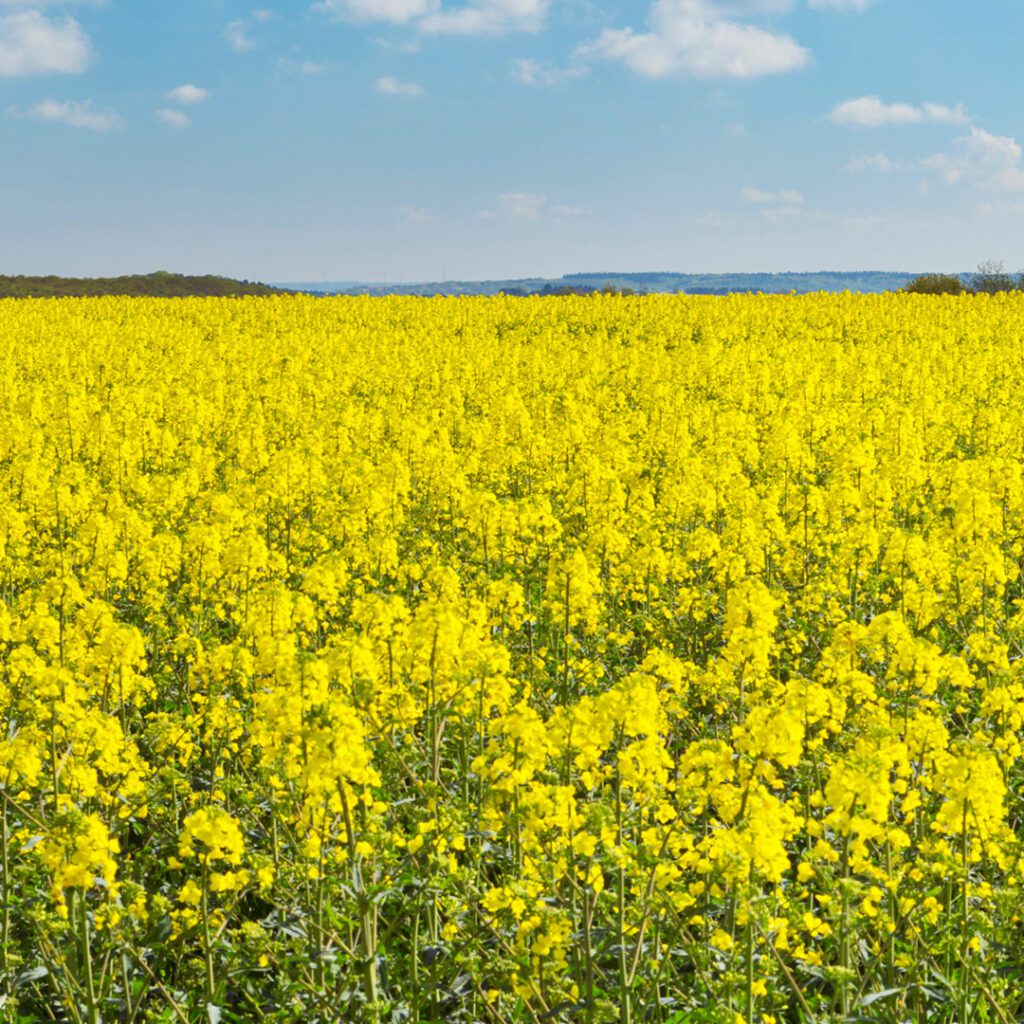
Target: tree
(992, 277)
(935, 284)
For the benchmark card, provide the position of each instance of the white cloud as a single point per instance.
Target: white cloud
(788, 197)
(696, 38)
(531, 72)
(415, 215)
(981, 159)
(388, 85)
(32, 44)
(174, 118)
(872, 162)
(188, 94)
(1000, 208)
(239, 37)
(524, 205)
(529, 206)
(535, 72)
(1000, 149)
(840, 5)
(488, 17)
(302, 67)
(77, 115)
(872, 112)
(38, 5)
(473, 17)
(396, 11)
(238, 33)
(745, 8)
(714, 219)
(399, 46)
(781, 214)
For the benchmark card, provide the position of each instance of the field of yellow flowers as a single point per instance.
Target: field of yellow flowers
(512, 660)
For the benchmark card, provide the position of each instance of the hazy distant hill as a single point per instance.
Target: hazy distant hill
(164, 284)
(693, 284)
(160, 284)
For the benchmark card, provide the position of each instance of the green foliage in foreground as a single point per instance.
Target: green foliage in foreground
(161, 284)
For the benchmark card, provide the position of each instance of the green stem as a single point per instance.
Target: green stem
(625, 1010)
(368, 925)
(588, 951)
(92, 1003)
(5, 904)
(844, 933)
(965, 940)
(211, 986)
(749, 936)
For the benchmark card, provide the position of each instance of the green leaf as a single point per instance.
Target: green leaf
(30, 975)
(874, 997)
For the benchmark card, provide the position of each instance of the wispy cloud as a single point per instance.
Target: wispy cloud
(416, 215)
(872, 162)
(239, 37)
(303, 67)
(522, 205)
(188, 94)
(472, 18)
(535, 72)
(239, 33)
(38, 5)
(840, 5)
(872, 112)
(981, 159)
(775, 207)
(174, 118)
(388, 85)
(787, 197)
(751, 8)
(399, 45)
(696, 38)
(77, 114)
(488, 17)
(715, 219)
(33, 44)
(396, 11)
(529, 206)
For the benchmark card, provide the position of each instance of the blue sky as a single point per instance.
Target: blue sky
(409, 139)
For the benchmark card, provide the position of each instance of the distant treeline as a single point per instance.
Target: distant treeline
(781, 282)
(573, 289)
(160, 284)
(649, 282)
(990, 279)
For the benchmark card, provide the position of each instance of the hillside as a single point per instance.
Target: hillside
(160, 284)
(693, 284)
(167, 285)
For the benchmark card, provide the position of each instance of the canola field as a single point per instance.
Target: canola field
(506, 660)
